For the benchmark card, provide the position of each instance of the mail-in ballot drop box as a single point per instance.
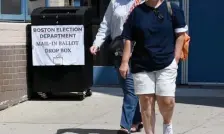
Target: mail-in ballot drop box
(60, 38)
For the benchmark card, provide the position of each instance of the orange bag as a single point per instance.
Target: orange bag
(185, 49)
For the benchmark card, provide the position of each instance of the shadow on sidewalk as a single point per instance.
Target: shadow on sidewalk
(204, 101)
(60, 97)
(85, 131)
(184, 96)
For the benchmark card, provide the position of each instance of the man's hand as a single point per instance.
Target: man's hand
(177, 58)
(124, 69)
(94, 49)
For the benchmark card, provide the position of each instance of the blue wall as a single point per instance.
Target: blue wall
(105, 75)
(206, 62)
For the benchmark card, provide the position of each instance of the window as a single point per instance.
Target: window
(20, 10)
(11, 7)
(32, 4)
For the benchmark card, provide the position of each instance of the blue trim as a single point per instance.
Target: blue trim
(28, 17)
(47, 3)
(179, 74)
(77, 3)
(12, 17)
(206, 48)
(105, 75)
(23, 7)
(0, 9)
(27, 7)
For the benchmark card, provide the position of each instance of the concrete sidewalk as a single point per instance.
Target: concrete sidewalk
(198, 111)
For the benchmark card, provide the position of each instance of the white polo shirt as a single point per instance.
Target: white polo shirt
(113, 21)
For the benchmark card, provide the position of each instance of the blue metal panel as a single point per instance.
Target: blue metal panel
(179, 74)
(105, 75)
(15, 17)
(207, 44)
(77, 3)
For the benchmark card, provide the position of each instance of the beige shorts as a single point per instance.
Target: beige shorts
(161, 82)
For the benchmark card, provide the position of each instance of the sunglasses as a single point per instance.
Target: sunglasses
(158, 15)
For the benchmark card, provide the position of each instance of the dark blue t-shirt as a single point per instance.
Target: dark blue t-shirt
(153, 29)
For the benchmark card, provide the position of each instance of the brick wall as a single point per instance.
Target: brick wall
(13, 83)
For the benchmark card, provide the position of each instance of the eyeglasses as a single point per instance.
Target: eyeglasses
(158, 15)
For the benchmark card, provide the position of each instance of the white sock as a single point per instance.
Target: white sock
(167, 129)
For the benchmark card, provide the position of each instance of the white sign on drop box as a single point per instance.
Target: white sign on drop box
(58, 45)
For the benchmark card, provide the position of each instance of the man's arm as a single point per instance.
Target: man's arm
(127, 51)
(104, 29)
(127, 34)
(179, 45)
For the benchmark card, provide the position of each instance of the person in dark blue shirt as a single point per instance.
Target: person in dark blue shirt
(159, 38)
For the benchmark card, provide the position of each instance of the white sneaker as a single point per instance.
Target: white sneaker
(167, 129)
